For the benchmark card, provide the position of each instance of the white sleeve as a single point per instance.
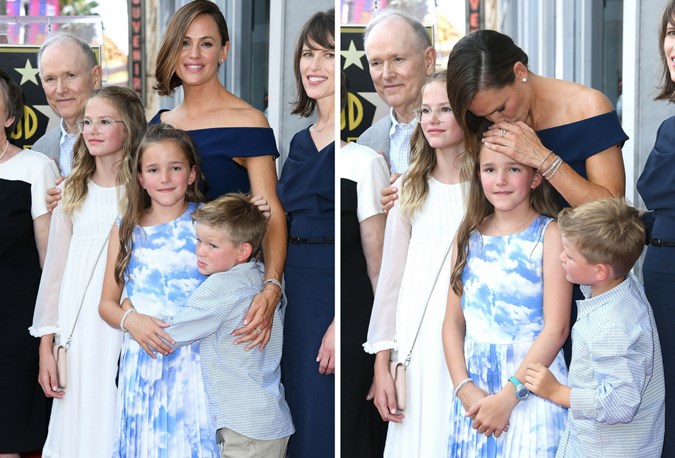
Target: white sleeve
(46, 315)
(369, 186)
(382, 327)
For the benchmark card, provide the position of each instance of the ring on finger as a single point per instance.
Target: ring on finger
(258, 330)
(503, 132)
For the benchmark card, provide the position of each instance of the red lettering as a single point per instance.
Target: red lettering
(136, 55)
(136, 26)
(474, 21)
(136, 42)
(474, 4)
(136, 12)
(136, 83)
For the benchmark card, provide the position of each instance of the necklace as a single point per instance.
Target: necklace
(316, 129)
(513, 231)
(4, 149)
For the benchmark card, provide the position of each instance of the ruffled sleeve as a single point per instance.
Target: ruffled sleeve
(382, 327)
(46, 315)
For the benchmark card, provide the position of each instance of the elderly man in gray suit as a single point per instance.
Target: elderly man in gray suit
(400, 57)
(69, 73)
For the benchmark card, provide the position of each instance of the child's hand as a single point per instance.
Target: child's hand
(47, 377)
(383, 394)
(491, 414)
(326, 356)
(540, 381)
(149, 333)
(469, 395)
(389, 194)
(54, 195)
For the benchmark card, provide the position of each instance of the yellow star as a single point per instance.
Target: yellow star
(352, 56)
(28, 73)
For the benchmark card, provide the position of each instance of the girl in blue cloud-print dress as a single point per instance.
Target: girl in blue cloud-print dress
(163, 409)
(508, 306)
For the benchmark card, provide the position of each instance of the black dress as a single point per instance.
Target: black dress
(363, 174)
(24, 414)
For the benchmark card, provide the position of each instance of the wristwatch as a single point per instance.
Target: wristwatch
(521, 392)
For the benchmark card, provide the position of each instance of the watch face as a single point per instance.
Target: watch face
(522, 393)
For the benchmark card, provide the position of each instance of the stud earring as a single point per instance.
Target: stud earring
(524, 80)
(221, 61)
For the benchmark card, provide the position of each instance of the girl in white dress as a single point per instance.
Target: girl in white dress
(419, 232)
(81, 423)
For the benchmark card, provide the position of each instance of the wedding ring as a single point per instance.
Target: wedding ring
(259, 331)
(503, 132)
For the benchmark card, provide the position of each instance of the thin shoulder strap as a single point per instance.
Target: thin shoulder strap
(98, 258)
(438, 274)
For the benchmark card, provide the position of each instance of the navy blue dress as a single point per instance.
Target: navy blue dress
(307, 192)
(656, 185)
(574, 143)
(218, 146)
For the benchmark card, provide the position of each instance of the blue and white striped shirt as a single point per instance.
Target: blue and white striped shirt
(399, 144)
(616, 375)
(244, 387)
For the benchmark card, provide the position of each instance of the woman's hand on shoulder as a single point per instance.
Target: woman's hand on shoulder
(257, 328)
(54, 195)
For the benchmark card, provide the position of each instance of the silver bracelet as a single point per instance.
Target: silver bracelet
(272, 281)
(124, 317)
(460, 386)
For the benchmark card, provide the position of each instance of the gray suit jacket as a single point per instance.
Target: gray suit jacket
(377, 137)
(50, 144)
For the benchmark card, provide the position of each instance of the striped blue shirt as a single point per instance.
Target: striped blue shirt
(244, 387)
(616, 375)
(399, 144)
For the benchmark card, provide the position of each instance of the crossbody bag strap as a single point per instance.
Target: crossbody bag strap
(438, 274)
(98, 258)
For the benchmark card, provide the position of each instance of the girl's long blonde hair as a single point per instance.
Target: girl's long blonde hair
(139, 199)
(415, 181)
(131, 113)
(478, 207)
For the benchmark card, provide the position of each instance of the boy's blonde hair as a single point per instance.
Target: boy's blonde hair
(237, 216)
(606, 231)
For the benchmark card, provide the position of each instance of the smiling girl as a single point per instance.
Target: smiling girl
(509, 305)
(418, 235)
(162, 402)
(83, 414)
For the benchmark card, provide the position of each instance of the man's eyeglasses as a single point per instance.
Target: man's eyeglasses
(424, 114)
(104, 125)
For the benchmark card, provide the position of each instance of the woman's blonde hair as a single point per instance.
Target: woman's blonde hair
(131, 113)
(542, 199)
(139, 199)
(415, 182)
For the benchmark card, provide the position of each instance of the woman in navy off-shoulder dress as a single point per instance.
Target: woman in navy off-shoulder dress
(236, 146)
(307, 191)
(567, 131)
(656, 185)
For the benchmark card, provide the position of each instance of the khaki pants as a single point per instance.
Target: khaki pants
(234, 445)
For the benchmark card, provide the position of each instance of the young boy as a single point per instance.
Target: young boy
(246, 397)
(616, 393)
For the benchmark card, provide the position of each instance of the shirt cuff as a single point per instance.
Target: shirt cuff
(376, 347)
(43, 330)
(582, 403)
